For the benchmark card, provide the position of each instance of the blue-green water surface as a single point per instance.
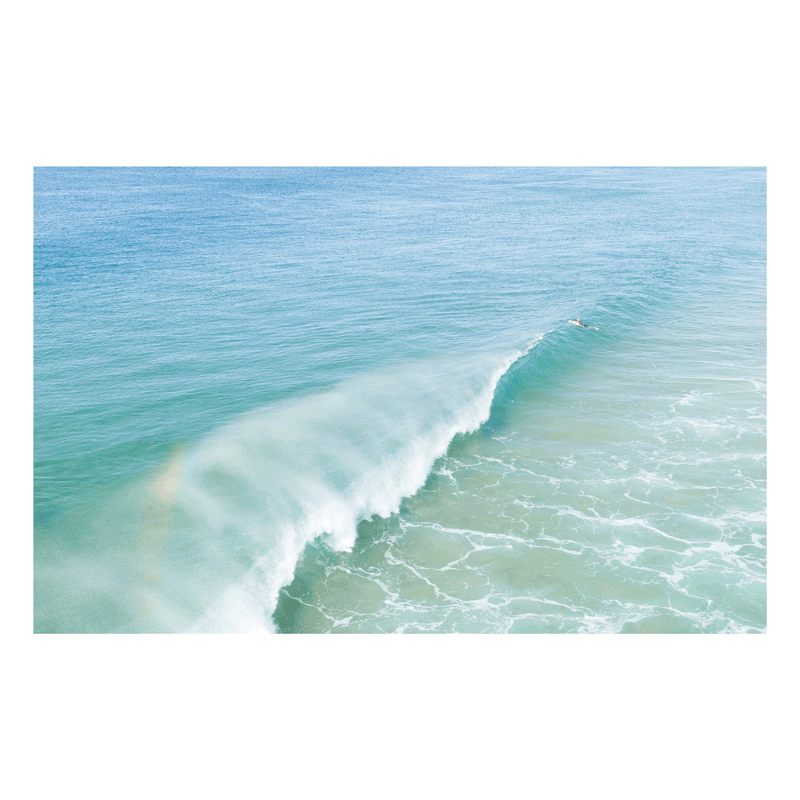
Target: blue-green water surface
(350, 400)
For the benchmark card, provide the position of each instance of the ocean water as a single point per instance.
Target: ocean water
(350, 401)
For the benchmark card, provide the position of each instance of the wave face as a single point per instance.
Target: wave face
(348, 401)
(218, 529)
(288, 474)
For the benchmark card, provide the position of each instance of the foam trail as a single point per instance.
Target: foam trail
(284, 475)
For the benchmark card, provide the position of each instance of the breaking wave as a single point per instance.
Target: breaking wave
(271, 481)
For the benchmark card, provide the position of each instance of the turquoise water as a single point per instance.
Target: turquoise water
(349, 400)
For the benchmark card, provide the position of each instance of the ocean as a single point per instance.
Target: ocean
(349, 400)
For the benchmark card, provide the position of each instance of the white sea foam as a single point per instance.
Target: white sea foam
(322, 465)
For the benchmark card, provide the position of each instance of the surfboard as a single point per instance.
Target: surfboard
(582, 325)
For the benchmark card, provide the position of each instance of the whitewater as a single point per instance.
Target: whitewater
(349, 400)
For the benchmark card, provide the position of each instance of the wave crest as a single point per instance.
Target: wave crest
(272, 481)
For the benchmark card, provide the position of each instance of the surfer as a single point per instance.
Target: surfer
(582, 324)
